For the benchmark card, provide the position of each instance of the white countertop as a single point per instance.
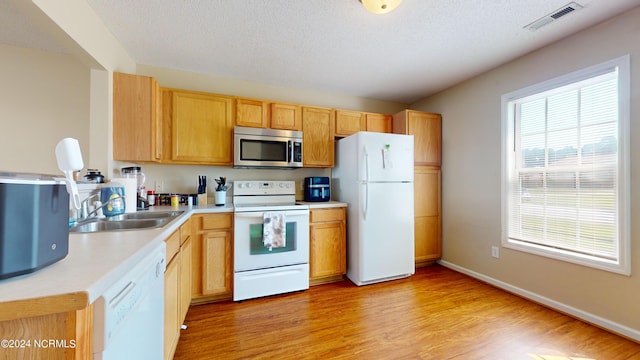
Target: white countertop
(324, 204)
(95, 260)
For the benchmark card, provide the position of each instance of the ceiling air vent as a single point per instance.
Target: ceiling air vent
(549, 18)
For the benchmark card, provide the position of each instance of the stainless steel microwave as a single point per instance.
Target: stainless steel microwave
(266, 148)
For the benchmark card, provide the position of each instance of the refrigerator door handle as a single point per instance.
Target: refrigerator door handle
(365, 199)
(365, 159)
(365, 183)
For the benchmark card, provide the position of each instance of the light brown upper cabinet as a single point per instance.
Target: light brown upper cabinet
(349, 122)
(379, 122)
(267, 114)
(318, 132)
(200, 126)
(286, 117)
(427, 131)
(137, 126)
(252, 113)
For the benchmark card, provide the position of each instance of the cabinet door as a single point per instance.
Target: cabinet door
(378, 122)
(72, 325)
(286, 117)
(426, 128)
(171, 301)
(427, 131)
(217, 270)
(252, 113)
(327, 249)
(137, 128)
(185, 278)
(327, 245)
(427, 202)
(202, 128)
(317, 132)
(349, 122)
(212, 267)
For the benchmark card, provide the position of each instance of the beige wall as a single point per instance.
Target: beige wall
(44, 97)
(203, 82)
(183, 179)
(471, 180)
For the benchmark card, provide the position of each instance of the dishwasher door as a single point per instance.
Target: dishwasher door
(129, 317)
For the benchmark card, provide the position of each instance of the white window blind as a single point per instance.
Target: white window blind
(563, 196)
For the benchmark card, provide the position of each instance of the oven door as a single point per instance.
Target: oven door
(249, 250)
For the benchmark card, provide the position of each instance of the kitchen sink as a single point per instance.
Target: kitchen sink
(130, 221)
(141, 215)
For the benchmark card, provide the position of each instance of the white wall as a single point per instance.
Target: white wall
(44, 97)
(471, 179)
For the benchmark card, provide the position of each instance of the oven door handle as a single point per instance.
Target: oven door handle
(260, 214)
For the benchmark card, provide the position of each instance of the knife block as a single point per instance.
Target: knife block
(202, 199)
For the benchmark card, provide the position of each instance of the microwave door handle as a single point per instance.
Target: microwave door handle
(289, 151)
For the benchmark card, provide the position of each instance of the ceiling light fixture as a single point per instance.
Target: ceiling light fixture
(380, 6)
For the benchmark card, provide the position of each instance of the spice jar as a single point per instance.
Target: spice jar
(151, 197)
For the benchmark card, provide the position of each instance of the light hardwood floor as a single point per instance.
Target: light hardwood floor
(435, 314)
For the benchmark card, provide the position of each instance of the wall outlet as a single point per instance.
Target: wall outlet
(495, 252)
(159, 186)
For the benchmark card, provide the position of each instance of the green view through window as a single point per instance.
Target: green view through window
(565, 186)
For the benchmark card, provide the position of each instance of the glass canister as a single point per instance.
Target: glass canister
(134, 172)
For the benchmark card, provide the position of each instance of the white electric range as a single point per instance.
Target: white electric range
(260, 267)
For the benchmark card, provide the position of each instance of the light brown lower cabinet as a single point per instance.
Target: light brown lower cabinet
(73, 330)
(427, 217)
(177, 286)
(185, 278)
(327, 245)
(212, 256)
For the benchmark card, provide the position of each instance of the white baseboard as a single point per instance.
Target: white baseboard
(580, 314)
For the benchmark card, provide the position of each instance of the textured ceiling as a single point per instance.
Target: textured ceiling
(422, 47)
(18, 29)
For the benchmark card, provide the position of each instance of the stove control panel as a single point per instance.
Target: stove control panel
(269, 187)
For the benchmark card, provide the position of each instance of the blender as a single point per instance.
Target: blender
(136, 172)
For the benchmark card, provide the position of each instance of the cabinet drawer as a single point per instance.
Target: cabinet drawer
(173, 245)
(324, 215)
(217, 221)
(185, 231)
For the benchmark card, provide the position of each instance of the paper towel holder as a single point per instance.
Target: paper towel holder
(69, 158)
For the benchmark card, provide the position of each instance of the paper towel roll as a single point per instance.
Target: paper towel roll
(69, 160)
(130, 193)
(68, 155)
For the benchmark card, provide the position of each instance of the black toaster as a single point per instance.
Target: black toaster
(317, 189)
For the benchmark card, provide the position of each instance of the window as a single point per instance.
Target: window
(565, 189)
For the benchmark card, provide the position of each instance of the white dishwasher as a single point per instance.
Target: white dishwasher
(129, 316)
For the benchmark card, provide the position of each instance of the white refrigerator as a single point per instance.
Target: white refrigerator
(373, 174)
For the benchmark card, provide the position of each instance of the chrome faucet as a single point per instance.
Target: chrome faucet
(84, 206)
